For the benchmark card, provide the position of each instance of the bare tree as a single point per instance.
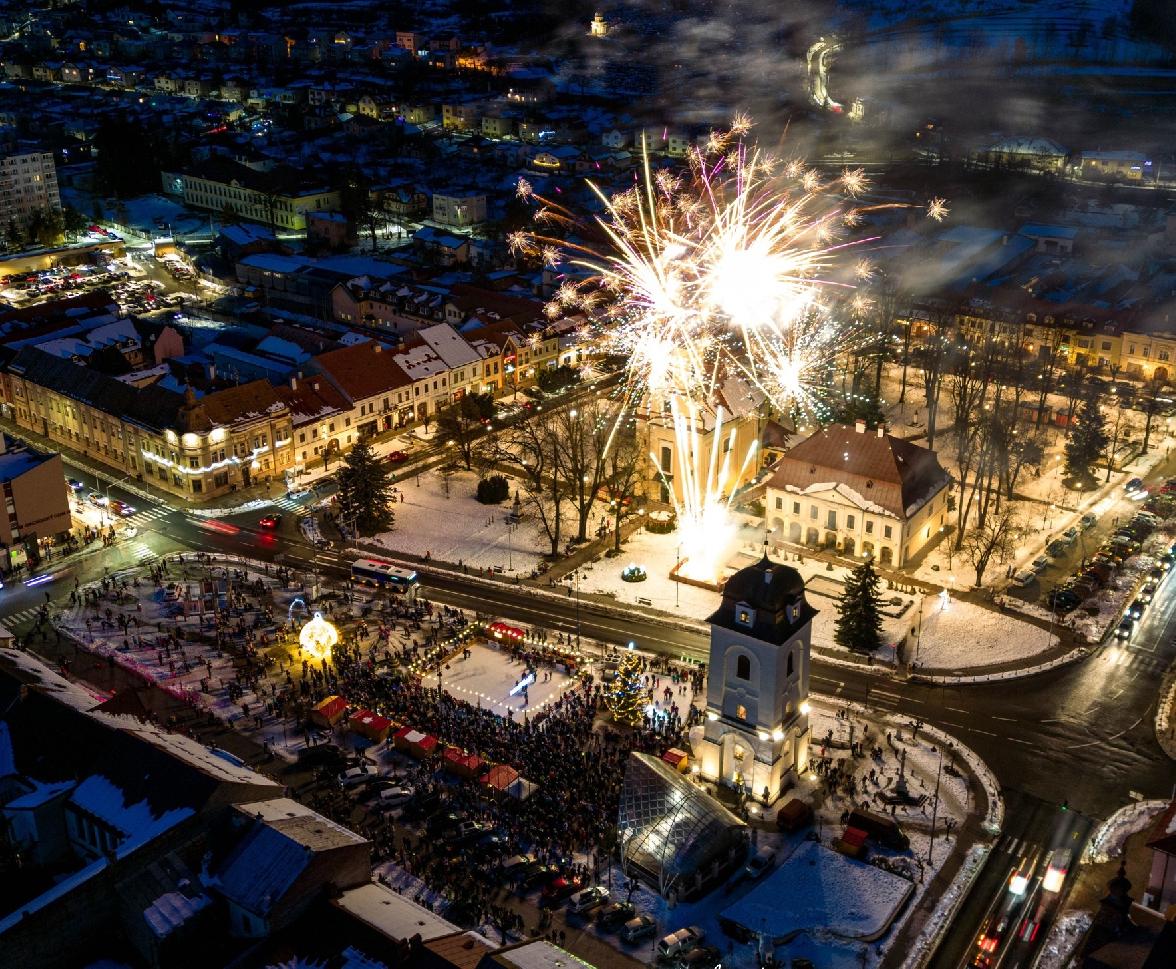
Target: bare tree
(533, 444)
(930, 359)
(583, 434)
(627, 463)
(998, 537)
(1149, 402)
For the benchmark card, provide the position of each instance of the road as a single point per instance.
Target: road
(1081, 734)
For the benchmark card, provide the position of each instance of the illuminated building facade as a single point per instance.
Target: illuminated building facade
(756, 735)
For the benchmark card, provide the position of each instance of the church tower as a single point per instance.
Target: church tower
(756, 732)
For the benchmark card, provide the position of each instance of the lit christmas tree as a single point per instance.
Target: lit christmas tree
(627, 698)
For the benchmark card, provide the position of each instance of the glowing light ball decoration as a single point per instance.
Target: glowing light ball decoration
(318, 637)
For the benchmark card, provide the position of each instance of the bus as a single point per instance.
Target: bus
(379, 573)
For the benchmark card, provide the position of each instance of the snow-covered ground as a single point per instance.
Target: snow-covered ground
(1064, 936)
(956, 635)
(1111, 835)
(448, 523)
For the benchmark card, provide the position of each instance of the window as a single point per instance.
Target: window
(869, 527)
(790, 663)
(796, 508)
(743, 665)
(741, 713)
(886, 531)
(813, 512)
(193, 462)
(850, 521)
(197, 486)
(1162, 355)
(779, 504)
(666, 460)
(831, 520)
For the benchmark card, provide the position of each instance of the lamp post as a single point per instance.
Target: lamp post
(677, 566)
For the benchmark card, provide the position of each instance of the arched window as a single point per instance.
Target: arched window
(790, 663)
(743, 668)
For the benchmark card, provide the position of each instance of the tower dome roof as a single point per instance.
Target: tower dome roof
(765, 585)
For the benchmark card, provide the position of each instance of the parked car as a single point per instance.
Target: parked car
(559, 888)
(99, 499)
(1088, 521)
(397, 457)
(587, 899)
(1147, 592)
(356, 777)
(1062, 599)
(516, 863)
(677, 943)
(642, 927)
(1056, 549)
(1083, 588)
(1125, 628)
(392, 798)
(540, 876)
(1039, 564)
(615, 914)
(443, 822)
(322, 755)
(703, 957)
(1070, 535)
(1157, 574)
(75, 484)
(1024, 577)
(760, 863)
(1135, 610)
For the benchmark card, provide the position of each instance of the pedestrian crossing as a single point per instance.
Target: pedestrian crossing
(141, 553)
(25, 617)
(292, 506)
(142, 517)
(1129, 659)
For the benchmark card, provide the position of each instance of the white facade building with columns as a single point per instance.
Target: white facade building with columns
(756, 732)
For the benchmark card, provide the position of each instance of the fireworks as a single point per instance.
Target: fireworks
(736, 266)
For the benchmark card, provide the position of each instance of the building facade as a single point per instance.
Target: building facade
(28, 183)
(858, 493)
(756, 734)
(36, 501)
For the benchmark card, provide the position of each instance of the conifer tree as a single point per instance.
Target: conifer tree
(859, 625)
(627, 698)
(1088, 438)
(364, 491)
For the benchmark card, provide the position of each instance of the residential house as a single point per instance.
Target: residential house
(459, 208)
(459, 116)
(1131, 166)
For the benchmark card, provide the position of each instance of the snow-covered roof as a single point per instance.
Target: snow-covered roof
(171, 910)
(448, 345)
(1028, 145)
(395, 916)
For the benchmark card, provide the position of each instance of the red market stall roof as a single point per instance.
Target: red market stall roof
(459, 762)
(854, 836)
(500, 777)
(414, 742)
(330, 709)
(369, 722)
(505, 631)
(400, 738)
(677, 759)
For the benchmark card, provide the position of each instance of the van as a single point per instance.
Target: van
(677, 943)
(879, 828)
(642, 927)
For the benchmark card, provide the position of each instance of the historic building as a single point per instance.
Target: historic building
(858, 493)
(756, 735)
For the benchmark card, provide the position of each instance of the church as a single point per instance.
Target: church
(756, 733)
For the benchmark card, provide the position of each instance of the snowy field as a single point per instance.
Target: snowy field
(956, 635)
(489, 675)
(459, 529)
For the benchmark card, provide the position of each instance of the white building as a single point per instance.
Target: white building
(859, 493)
(459, 208)
(28, 183)
(756, 735)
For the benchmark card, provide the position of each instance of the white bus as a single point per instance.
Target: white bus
(379, 573)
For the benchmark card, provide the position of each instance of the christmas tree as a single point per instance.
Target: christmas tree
(627, 698)
(859, 626)
(1088, 437)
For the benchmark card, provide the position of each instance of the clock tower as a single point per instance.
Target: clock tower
(756, 732)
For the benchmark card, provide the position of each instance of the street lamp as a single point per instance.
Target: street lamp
(677, 566)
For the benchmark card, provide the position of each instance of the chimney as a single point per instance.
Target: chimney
(376, 346)
(861, 427)
(293, 382)
(315, 385)
(881, 430)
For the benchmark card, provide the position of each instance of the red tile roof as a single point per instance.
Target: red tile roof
(886, 471)
(364, 370)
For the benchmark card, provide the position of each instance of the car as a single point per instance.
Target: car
(99, 499)
(1135, 610)
(122, 508)
(1128, 543)
(130, 531)
(465, 833)
(1147, 592)
(1070, 535)
(75, 484)
(641, 927)
(516, 863)
(1157, 574)
(270, 521)
(356, 777)
(392, 798)
(759, 864)
(1125, 628)
(1039, 564)
(558, 888)
(397, 457)
(1062, 599)
(540, 876)
(439, 823)
(706, 957)
(587, 899)
(1166, 561)
(1134, 486)
(680, 942)
(1056, 549)
(1024, 577)
(321, 755)
(1083, 588)
(1169, 487)
(615, 914)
